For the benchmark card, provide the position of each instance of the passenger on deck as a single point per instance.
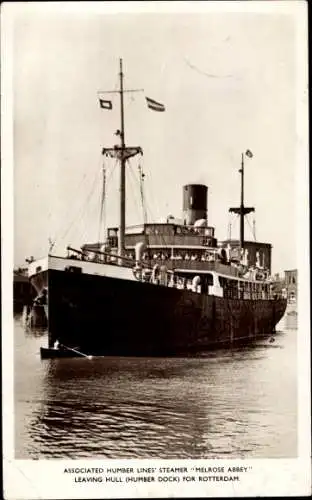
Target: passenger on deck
(171, 283)
(180, 283)
(145, 276)
(189, 285)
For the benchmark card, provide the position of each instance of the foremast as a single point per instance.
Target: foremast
(122, 221)
(122, 153)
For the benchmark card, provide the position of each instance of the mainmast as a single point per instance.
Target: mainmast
(242, 210)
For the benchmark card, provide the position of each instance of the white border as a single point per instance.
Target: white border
(44, 479)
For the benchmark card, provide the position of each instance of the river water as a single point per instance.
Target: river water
(226, 404)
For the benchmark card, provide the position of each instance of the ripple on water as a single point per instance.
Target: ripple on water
(224, 404)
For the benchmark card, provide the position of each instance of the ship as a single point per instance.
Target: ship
(158, 289)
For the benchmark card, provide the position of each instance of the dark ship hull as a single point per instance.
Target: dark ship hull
(119, 317)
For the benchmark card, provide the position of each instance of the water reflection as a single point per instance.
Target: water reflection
(222, 404)
(291, 321)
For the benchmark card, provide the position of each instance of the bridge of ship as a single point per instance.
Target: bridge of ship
(162, 236)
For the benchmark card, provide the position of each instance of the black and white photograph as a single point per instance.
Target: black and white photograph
(156, 334)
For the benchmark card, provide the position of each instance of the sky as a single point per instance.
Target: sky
(228, 82)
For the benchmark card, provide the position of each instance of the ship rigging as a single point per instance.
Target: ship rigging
(163, 289)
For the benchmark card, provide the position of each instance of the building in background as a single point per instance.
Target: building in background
(291, 277)
(23, 291)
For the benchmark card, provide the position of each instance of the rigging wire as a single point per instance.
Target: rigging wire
(107, 179)
(60, 235)
(88, 234)
(150, 195)
(82, 208)
(142, 177)
(145, 212)
(52, 241)
(85, 215)
(232, 224)
(146, 236)
(131, 179)
(161, 236)
(102, 205)
(251, 229)
(229, 231)
(254, 227)
(86, 229)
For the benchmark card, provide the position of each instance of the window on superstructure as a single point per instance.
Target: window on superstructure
(112, 232)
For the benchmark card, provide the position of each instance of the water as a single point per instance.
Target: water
(230, 404)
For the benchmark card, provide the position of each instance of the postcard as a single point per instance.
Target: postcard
(155, 221)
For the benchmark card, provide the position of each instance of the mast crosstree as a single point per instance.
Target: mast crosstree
(242, 210)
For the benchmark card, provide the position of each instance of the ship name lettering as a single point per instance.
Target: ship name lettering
(209, 470)
(237, 469)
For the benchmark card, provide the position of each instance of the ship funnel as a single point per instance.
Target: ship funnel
(194, 203)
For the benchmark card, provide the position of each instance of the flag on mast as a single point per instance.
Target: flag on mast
(106, 104)
(154, 105)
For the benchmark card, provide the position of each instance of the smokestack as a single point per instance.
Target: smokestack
(194, 203)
